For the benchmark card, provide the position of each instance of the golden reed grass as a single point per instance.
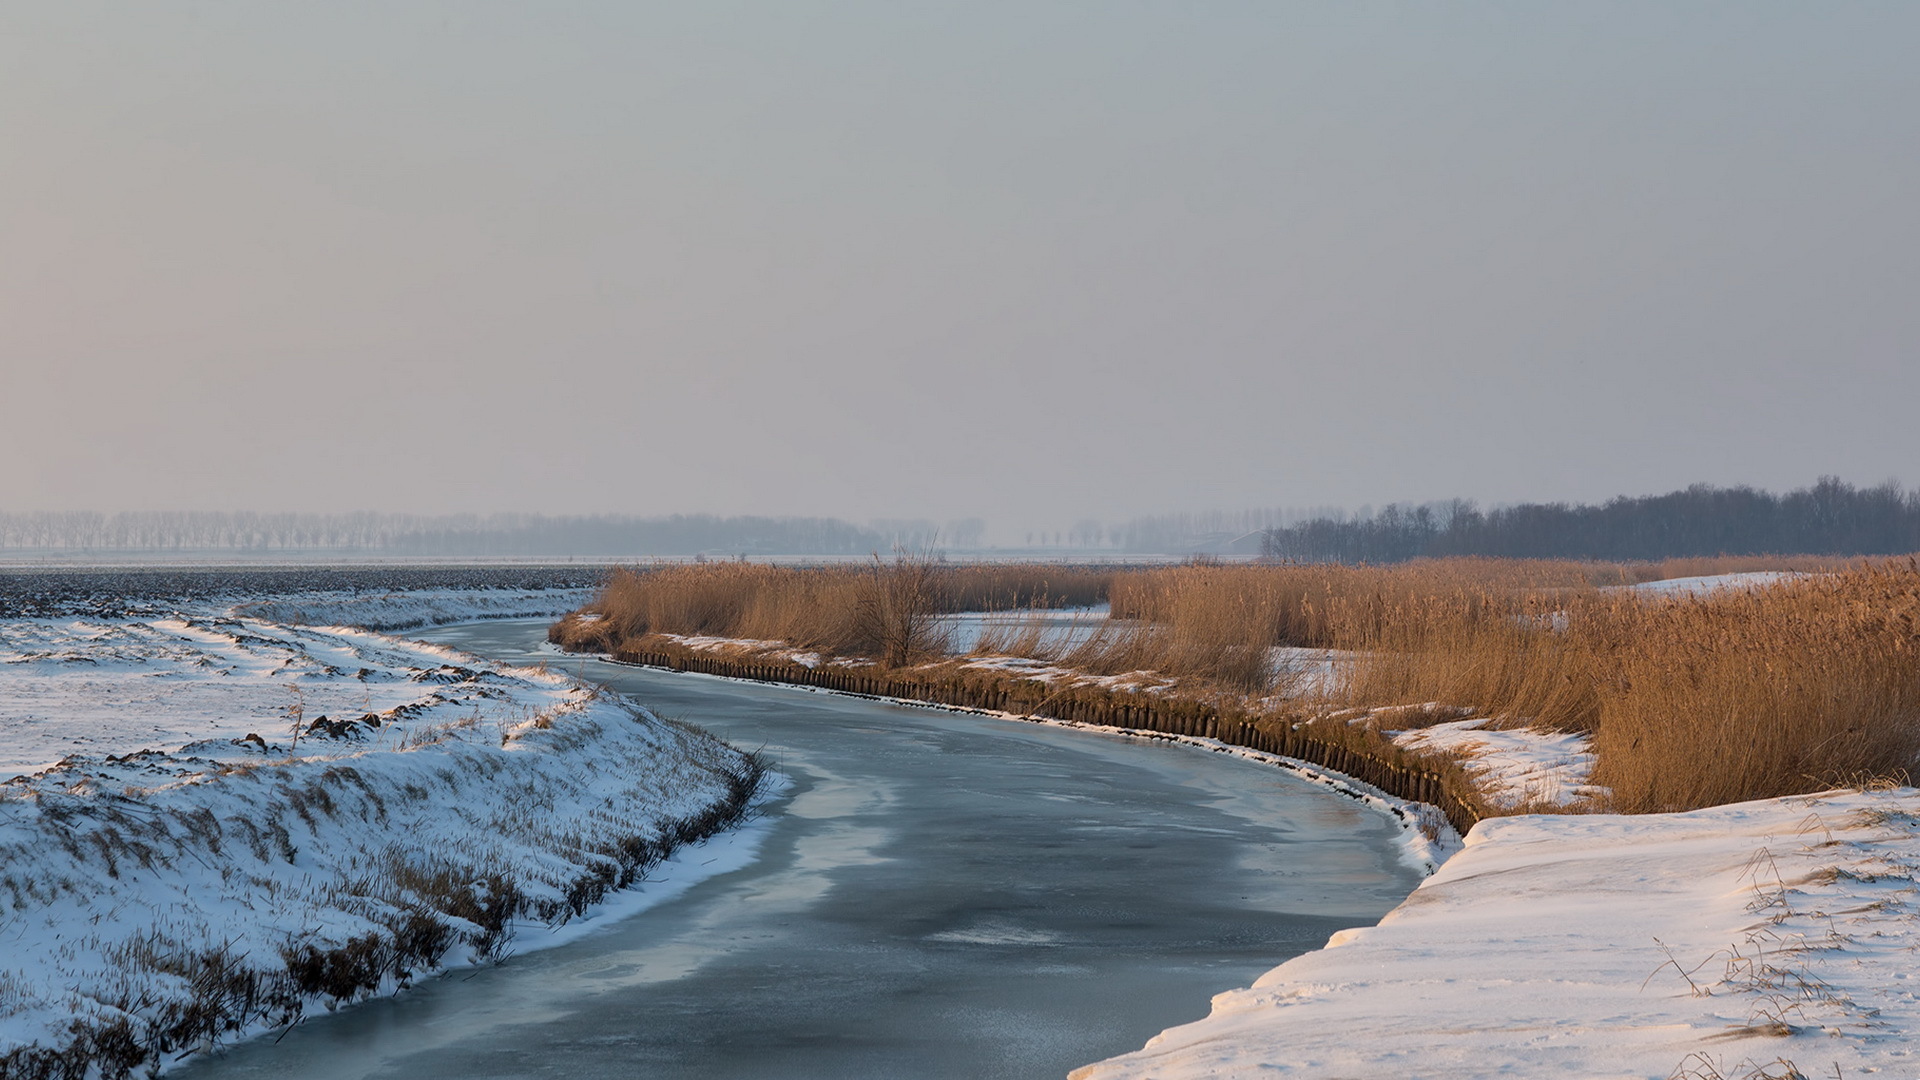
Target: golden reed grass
(1691, 699)
(1799, 686)
(881, 609)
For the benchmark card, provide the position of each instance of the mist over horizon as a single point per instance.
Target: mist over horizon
(1831, 517)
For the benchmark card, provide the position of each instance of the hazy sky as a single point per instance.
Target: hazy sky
(1031, 261)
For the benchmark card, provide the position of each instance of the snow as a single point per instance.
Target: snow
(163, 812)
(112, 687)
(1060, 628)
(1150, 682)
(1517, 767)
(1710, 943)
(1765, 940)
(1714, 582)
(1309, 672)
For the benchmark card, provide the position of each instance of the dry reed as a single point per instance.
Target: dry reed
(1691, 699)
(1695, 699)
(885, 609)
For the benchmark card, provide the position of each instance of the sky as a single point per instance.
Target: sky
(1032, 262)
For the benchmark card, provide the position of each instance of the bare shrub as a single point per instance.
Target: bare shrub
(896, 611)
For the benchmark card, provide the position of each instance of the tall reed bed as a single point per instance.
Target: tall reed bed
(1691, 699)
(1799, 686)
(886, 609)
(1220, 623)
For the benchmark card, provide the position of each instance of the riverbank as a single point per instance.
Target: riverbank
(1762, 941)
(218, 823)
(1440, 781)
(941, 895)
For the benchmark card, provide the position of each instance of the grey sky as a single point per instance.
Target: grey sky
(1031, 261)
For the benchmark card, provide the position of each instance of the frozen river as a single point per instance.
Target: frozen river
(936, 895)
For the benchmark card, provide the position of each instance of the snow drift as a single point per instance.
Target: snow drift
(221, 823)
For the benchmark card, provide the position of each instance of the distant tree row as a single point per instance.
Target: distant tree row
(1829, 518)
(1211, 530)
(460, 535)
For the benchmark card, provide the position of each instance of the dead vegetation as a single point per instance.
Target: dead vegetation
(1692, 698)
(884, 609)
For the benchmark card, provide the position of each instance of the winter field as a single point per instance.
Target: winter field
(235, 802)
(218, 820)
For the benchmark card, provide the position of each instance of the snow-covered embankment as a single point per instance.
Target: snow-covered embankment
(1765, 939)
(222, 822)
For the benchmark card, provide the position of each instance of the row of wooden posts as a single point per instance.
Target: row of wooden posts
(1385, 767)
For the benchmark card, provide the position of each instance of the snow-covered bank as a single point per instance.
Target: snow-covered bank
(1738, 941)
(178, 868)
(116, 686)
(1712, 583)
(1515, 768)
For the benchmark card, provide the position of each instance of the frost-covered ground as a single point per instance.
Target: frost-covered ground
(177, 867)
(1515, 768)
(1751, 579)
(1732, 942)
(110, 687)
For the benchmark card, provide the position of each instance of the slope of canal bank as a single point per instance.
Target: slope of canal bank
(221, 824)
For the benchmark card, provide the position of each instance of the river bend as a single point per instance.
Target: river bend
(935, 895)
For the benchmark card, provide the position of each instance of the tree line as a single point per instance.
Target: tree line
(1829, 518)
(504, 535)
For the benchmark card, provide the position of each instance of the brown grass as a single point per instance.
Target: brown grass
(1801, 686)
(884, 609)
(1691, 700)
